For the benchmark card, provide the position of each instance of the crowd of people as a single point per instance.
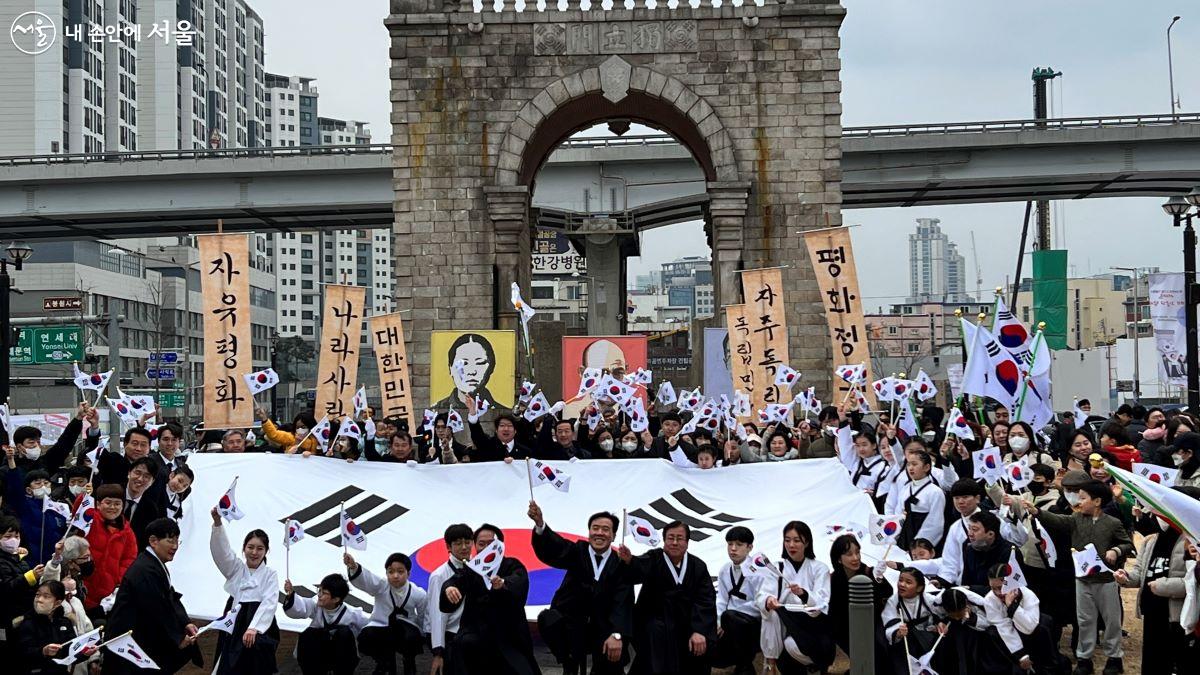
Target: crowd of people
(101, 559)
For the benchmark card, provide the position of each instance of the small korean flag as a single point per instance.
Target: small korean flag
(227, 507)
(885, 529)
(260, 381)
(352, 535)
(1156, 474)
(487, 562)
(643, 532)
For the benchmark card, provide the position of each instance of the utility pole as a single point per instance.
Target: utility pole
(1040, 77)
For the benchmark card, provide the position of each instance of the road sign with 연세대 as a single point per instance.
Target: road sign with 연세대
(61, 344)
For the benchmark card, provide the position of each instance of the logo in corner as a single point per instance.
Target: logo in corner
(33, 33)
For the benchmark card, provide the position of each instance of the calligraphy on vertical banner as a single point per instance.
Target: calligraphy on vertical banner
(832, 259)
(337, 366)
(225, 285)
(762, 295)
(387, 334)
(741, 349)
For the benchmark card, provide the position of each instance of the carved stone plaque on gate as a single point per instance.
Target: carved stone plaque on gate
(615, 37)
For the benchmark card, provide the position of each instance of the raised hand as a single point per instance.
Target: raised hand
(535, 514)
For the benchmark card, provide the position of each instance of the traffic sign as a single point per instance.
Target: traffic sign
(160, 373)
(61, 344)
(60, 304)
(165, 357)
(166, 399)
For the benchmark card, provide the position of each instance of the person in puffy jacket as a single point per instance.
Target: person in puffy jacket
(1114, 439)
(44, 630)
(301, 425)
(113, 545)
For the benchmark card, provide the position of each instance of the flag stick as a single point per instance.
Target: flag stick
(888, 550)
(935, 642)
(42, 543)
(125, 634)
(529, 477)
(624, 524)
(287, 560)
(343, 529)
(853, 386)
(907, 656)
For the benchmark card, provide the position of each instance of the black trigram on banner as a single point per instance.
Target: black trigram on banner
(681, 505)
(369, 511)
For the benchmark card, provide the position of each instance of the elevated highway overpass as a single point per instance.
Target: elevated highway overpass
(652, 179)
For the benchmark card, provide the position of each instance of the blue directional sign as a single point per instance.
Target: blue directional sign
(165, 357)
(160, 373)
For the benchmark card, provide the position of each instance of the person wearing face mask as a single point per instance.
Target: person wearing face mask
(1158, 575)
(630, 447)
(75, 482)
(603, 444)
(1153, 439)
(72, 559)
(44, 630)
(302, 423)
(17, 583)
(1024, 447)
(24, 495)
(30, 456)
(1185, 455)
(113, 546)
(75, 613)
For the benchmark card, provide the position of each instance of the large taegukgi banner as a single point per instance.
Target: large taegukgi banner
(1167, 307)
(406, 508)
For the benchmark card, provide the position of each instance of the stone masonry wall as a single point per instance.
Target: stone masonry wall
(769, 74)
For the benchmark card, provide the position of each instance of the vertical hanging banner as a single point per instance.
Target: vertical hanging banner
(387, 332)
(832, 258)
(1166, 300)
(741, 349)
(337, 366)
(762, 293)
(225, 285)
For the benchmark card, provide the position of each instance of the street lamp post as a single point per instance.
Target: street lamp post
(1171, 65)
(1178, 208)
(18, 253)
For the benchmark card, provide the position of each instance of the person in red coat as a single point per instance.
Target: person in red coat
(113, 545)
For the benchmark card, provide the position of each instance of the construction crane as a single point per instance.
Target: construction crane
(978, 271)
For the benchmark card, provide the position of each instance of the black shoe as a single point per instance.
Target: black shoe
(1114, 667)
(1083, 667)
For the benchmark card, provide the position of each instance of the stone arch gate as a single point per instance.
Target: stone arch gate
(481, 98)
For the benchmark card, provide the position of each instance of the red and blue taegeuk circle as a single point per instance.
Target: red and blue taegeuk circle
(543, 580)
(890, 528)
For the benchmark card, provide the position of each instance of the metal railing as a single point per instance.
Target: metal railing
(994, 126)
(1021, 125)
(201, 153)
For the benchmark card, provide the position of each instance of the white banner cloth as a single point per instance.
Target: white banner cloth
(406, 508)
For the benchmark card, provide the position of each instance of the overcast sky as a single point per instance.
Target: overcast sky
(902, 61)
